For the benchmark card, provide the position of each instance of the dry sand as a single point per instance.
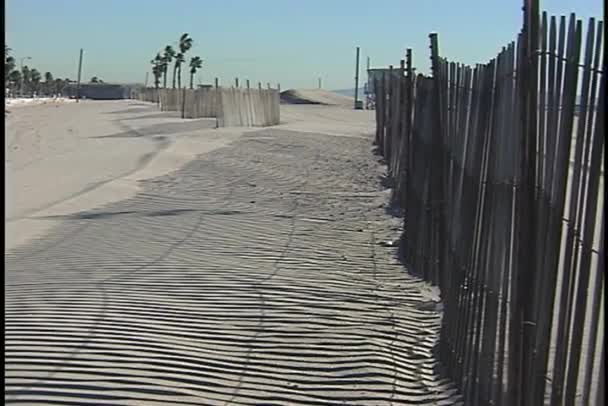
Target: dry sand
(64, 158)
(315, 96)
(160, 262)
(29, 101)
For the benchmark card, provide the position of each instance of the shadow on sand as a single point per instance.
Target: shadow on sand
(163, 129)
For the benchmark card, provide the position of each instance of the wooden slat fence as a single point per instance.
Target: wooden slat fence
(241, 107)
(498, 171)
(148, 95)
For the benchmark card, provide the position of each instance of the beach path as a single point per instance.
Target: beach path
(161, 261)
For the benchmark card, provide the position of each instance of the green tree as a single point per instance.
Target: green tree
(163, 68)
(168, 55)
(59, 86)
(35, 78)
(26, 79)
(195, 63)
(185, 43)
(179, 59)
(9, 64)
(94, 79)
(157, 70)
(48, 83)
(14, 80)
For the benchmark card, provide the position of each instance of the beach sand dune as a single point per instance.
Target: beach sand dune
(231, 267)
(315, 96)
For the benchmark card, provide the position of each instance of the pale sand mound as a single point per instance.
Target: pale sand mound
(315, 96)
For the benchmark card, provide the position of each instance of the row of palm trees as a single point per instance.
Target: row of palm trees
(163, 59)
(28, 81)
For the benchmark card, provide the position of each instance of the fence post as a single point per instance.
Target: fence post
(184, 102)
(375, 82)
(527, 216)
(383, 115)
(397, 126)
(437, 195)
(408, 110)
(389, 122)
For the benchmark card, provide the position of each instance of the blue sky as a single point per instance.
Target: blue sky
(292, 42)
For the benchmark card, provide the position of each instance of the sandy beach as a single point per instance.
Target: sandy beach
(153, 260)
(64, 158)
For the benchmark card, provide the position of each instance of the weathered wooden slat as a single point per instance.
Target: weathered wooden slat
(563, 322)
(588, 231)
(597, 286)
(480, 158)
(553, 221)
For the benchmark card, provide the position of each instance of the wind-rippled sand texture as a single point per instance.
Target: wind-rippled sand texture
(254, 275)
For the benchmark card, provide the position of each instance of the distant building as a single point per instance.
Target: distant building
(103, 91)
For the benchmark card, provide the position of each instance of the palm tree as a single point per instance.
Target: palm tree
(195, 63)
(157, 70)
(179, 59)
(48, 79)
(163, 68)
(59, 86)
(185, 43)
(168, 55)
(9, 65)
(26, 77)
(35, 78)
(14, 80)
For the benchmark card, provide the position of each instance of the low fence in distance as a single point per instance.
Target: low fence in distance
(233, 107)
(249, 107)
(170, 99)
(498, 170)
(202, 103)
(149, 95)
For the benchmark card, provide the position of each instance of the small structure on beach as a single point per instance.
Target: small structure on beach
(103, 91)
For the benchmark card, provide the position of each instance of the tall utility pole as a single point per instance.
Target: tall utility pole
(357, 79)
(79, 73)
